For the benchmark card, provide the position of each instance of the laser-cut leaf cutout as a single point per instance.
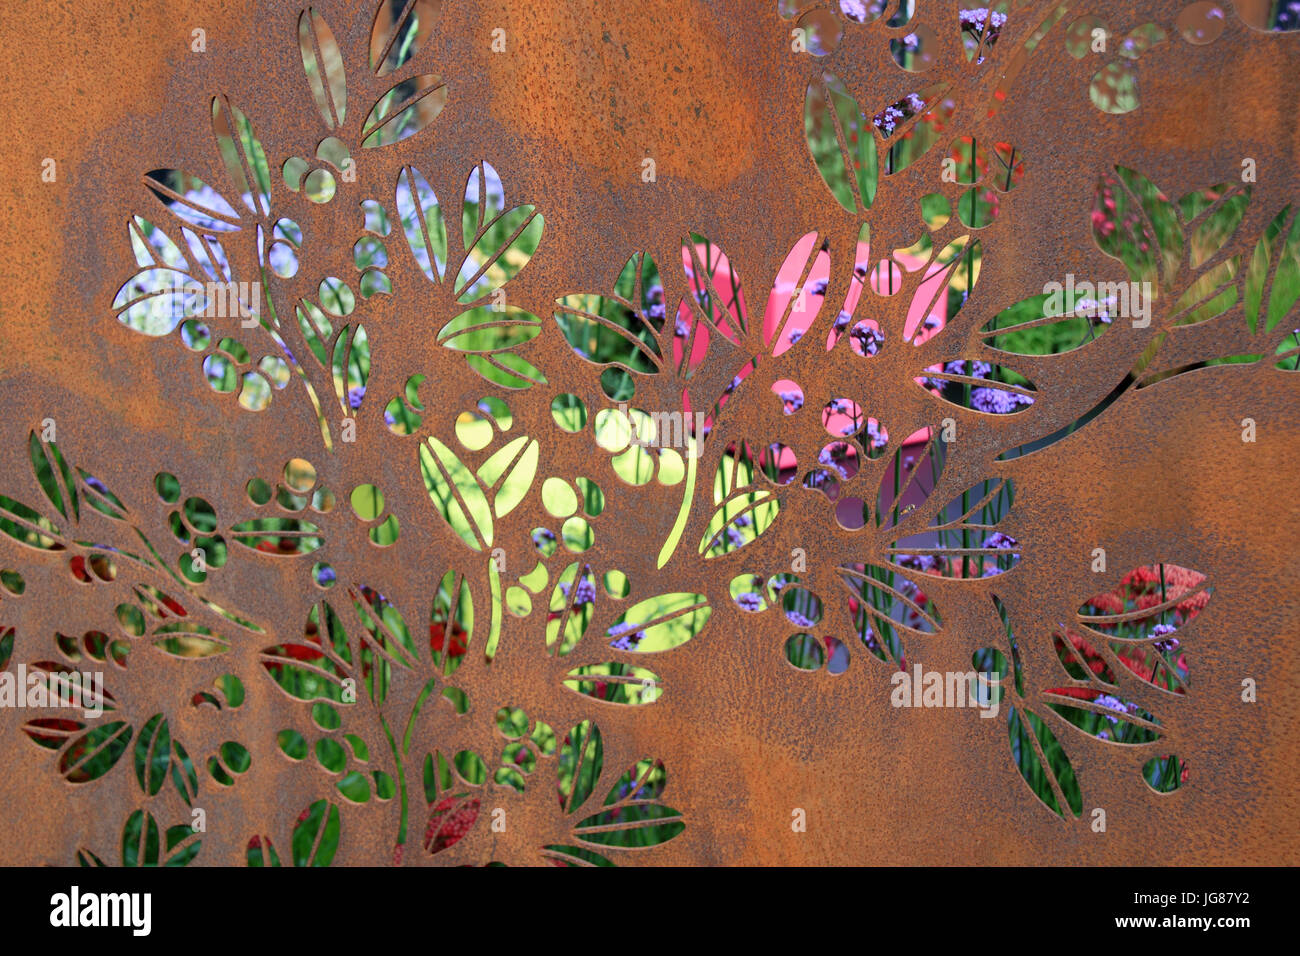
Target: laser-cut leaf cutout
(151, 246)
(1049, 323)
(95, 752)
(1150, 602)
(1272, 281)
(716, 301)
(243, 155)
(54, 476)
(1049, 779)
(1108, 717)
(631, 815)
(885, 607)
(153, 754)
(278, 536)
(457, 494)
(156, 301)
(842, 141)
(484, 330)
(6, 646)
(978, 385)
(143, 844)
(403, 111)
(192, 200)
(571, 608)
(260, 852)
(28, 526)
(503, 247)
(908, 482)
(384, 626)
(325, 73)
(451, 623)
(615, 683)
(660, 623)
(1157, 662)
(1136, 223)
(399, 31)
(791, 312)
(351, 367)
(509, 473)
(304, 672)
(581, 756)
(962, 541)
(189, 641)
(422, 223)
(449, 822)
(315, 838)
(624, 329)
(955, 267)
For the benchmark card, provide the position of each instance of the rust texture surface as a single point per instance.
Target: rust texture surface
(328, 335)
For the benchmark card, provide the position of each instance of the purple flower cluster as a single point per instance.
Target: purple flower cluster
(750, 601)
(792, 401)
(628, 637)
(1168, 645)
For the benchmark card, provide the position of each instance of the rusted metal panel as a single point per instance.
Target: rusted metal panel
(285, 685)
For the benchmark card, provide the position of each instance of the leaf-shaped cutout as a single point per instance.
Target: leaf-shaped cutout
(581, 757)
(842, 142)
(1150, 601)
(571, 608)
(739, 521)
(323, 65)
(1060, 320)
(484, 330)
(192, 200)
(660, 623)
(559, 855)
(1272, 283)
(423, 223)
(316, 835)
(509, 473)
(506, 369)
(623, 328)
(615, 683)
(1213, 216)
(908, 481)
(451, 623)
(95, 752)
(1165, 774)
(184, 776)
(189, 641)
(399, 31)
(260, 852)
(277, 536)
(449, 822)
(1210, 295)
(351, 367)
(28, 526)
(52, 733)
(384, 626)
(631, 815)
(962, 540)
(153, 754)
(457, 494)
(981, 386)
(404, 110)
(885, 607)
(913, 125)
(1043, 764)
(716, 301)
(6, 646)
(98, 496)
(505, 245)
(1158, 662)
(153, 247)
(243, 155)
(1102, 715)
(54, 475)
(155, 301)
(304, 672)
(944, 288)
(1136, 223)
(797, 294)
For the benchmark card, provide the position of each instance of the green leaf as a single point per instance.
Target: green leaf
(325, 75)
(457, 494)
(842, 140)
(1028, 753)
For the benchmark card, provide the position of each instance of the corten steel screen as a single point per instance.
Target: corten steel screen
(649, 432)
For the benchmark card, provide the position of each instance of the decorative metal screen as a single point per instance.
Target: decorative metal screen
(649, 432)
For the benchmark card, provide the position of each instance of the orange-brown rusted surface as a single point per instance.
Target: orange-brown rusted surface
(713, 93)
